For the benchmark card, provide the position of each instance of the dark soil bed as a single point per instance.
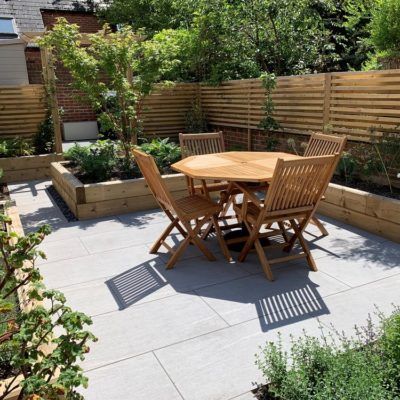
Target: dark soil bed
(369, 187)
(61, 204)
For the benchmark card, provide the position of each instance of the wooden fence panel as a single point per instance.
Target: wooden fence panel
(365, 104)
(299, 103)
(22, 109)
(165, 110)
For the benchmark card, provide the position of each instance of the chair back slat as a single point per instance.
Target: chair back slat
(153, 178)
(325, 145)
(194, 144)
(299, 184)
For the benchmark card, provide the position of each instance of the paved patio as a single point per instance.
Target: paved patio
(191, 333)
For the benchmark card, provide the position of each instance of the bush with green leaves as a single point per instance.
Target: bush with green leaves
(97, 162)
(43, 141)
(336, 367)
(195, 118)
(43, 342)
(385, 27)
(164, 152)
(16, 147)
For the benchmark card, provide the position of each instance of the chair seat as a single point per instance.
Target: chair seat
(252, 211)
(197, 206)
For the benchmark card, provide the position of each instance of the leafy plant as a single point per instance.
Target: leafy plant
(96, 161)
(335, 366)
(29, 344)
(164, 152)
(122, 62)
(196, 120)
(16, 147)
(385, 28)
(268, 123)
(347, 167)
(43, 141)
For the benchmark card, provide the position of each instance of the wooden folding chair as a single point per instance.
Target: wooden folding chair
(324, 145)
(181, 212)
(295, 191)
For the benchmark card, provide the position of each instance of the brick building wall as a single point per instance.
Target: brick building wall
(73, 109)
(88, 23)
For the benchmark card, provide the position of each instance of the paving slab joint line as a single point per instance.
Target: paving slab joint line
(212, 309)
(169, 377)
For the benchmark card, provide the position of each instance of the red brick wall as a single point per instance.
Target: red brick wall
(73, 110)
(88, 23)
(34, 65)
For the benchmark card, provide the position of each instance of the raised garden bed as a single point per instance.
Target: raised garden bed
(26, 168)
(102, 199)
(373, 213)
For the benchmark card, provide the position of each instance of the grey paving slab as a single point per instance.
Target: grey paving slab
(139, 378)
(363, 265)
(221, 365)
(149, 326)
(298, 291)
(62, 250)
(244, 396)
(353, 307)
(59, 274)
(149, 281)
(104, 241)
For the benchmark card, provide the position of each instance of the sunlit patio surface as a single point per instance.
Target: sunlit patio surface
(191, 333)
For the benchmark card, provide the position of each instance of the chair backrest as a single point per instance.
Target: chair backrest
(325, 145)
(195, 144)
(153, 178)
(298, 185)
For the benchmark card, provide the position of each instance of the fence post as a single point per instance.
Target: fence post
(50, 84)
(327, 102)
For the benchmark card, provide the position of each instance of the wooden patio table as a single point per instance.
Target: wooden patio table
(239, 168)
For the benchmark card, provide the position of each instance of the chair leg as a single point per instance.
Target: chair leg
(197, 240)
(304, 245)
(320, 226)
(249, 243)
(263, 260)
(283, 229)
(163, 236)
(174, 258)
(221, 240)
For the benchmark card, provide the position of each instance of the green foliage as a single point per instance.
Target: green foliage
(385, 27)
(43, 141)
(30, 346)
(347, 167)
(269, 84)
(164, 152)
(196, 120)
(243, 38)
(336, 367)
(96, 161)
(124, 63)
(16, 147)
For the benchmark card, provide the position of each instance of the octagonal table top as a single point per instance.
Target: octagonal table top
(232, 166)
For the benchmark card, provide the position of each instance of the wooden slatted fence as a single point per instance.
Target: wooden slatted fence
(359, 104)
(165, 110)
(22, 109)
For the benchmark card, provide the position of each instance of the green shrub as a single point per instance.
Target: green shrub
(347, 167)
(164, 152)
(196, 120)
(16, 147)
(43, 141)
(96, 162)
(335, 367)
(385, 27)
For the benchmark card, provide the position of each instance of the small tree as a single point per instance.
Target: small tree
(122, 64)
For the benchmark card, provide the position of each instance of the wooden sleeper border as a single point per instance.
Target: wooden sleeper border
(27, 168)
(376, 214)
(96, 200)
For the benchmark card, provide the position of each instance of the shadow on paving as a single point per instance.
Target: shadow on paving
(279, 303)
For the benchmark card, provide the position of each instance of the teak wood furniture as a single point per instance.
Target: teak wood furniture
(324, 145)
(181, 212)
(293, 195)
(296, 187)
